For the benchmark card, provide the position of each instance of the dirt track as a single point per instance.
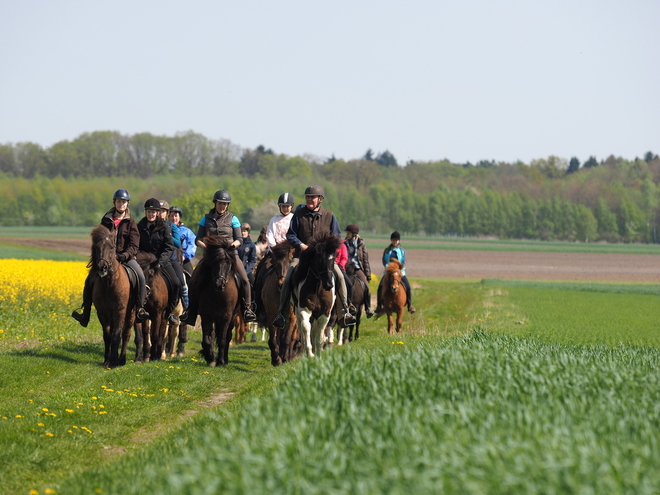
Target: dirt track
(436, 263)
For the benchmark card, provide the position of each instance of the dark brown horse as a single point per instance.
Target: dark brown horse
(111, 295)
(216, 289)
(313, 287)
(358, 299)
(150, 334)
(282, 342)
(393, 295)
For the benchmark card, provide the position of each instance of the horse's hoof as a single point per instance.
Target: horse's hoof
(212, 364)
(146, 360)
(180, 354)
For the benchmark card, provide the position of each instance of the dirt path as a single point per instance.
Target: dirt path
(436, 263)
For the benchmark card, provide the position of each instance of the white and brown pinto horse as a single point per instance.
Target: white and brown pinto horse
(313, 290)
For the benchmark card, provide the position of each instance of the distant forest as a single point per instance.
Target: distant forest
(613, 199)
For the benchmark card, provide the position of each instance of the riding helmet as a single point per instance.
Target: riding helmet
(395, 235)
(176, 209)
(315, 190)
(353, 229)
(285, 199)
(152, 204)
(164, 205)
(246, 226)
(222, 196)
(121, 194)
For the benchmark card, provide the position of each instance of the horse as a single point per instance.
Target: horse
(216, 288)
(111, 295)
(150, 334)
(281, 342)
(177, 331)
(393, 294)
(358, 300)
(313, 288)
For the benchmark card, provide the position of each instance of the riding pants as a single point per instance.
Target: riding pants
(176, 286)
(182, 281)
(245, 283)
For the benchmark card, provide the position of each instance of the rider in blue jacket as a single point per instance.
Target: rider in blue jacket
(394, 250)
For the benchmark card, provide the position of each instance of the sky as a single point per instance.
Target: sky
(426, 80)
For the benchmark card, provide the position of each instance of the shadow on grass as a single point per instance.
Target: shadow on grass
(80, 353)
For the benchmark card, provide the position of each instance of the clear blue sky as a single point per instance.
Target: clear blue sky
(426, 80)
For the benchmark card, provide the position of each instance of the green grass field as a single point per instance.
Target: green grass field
(493, 387)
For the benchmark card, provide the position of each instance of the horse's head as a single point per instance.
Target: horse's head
(219, 254)
(103, 251)
(395, 275)
(282, 257)
(320, 255)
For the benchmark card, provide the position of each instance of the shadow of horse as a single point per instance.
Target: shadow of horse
(215, 286)
(111, 296)
(313, 289)
(393, 295)
(281, 342)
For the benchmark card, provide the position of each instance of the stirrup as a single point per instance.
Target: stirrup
(249, 316)
(142, 314)
(348, 320)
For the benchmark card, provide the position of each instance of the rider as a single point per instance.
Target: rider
(279, 224)
(187, 237)
(176, 264)
(118, 220)
(156, 238)
(247, 252)
(394, 250)
(220, 222)
(310, 219)
(358, 256)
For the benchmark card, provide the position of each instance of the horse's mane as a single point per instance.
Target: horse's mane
(320, 246)
(98, 234)
(281, 250)
(149, 264)
(217, 249)
(393, 266)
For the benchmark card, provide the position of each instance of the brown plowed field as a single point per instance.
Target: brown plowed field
(437, 263)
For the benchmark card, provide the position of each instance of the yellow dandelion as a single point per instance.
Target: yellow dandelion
(20, 416)
(103, 412)
(45, 409)
(94, 398)
(33, 492)
(40, 424)
(49, 491)
(68, 410)
(49, 434)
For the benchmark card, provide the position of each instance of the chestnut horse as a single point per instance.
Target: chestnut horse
(111, 295)
(313, 287)
(393, 294)
(216, 289)
(280, 341)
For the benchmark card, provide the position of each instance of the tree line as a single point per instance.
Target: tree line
(71, 183)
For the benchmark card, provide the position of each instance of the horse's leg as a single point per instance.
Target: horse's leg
(127, 321)
(107, 342)
(273, 345)
(223, 335)
(390, 322)
(208, 341)
(139, 342)
(305, 328)
(146, 333)
(183, 338)
(318, 333)
(399, 320)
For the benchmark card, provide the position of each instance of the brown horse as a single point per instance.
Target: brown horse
(282, 342)
(150, 334)
(393, 294)
(313, 287)
(358, 300)
(216, 289)
(111, 295)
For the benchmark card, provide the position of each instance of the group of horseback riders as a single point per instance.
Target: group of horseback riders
(162, 233)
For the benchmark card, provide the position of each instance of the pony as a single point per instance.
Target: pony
(150, 335)
(215, 286)
(313, 288)
(393, 294)
(358, 300)
(174, 331)
(111, 296)
(281, 342)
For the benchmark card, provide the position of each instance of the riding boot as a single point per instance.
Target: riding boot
(285, 296)
(83, 318)
(406, 284)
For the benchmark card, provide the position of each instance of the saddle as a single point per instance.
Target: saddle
(133, 280)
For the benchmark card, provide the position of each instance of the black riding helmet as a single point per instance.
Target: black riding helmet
(176, 209)
(285, 199)
(121, 194)
(315, 190)
(222, 195)
(152, 204)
